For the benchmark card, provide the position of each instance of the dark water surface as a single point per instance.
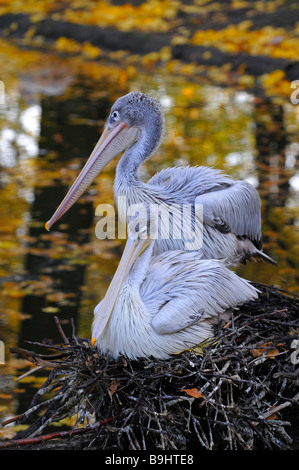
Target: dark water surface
(53, 114)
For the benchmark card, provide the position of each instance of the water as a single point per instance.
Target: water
(53, 114)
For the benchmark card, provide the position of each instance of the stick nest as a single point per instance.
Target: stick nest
(240, 393)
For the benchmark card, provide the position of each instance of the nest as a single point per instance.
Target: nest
(241, 392)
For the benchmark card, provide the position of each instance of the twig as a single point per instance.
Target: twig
(262, 316)
(36, 359)
(275, 410)
(53, 435)
(61, 330)
(201, 438)
(28, 412)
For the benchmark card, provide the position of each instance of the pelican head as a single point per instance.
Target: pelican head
(142, 230)
(134, 118)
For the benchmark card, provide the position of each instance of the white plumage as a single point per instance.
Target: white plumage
(166, 303)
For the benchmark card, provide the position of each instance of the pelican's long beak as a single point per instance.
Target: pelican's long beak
(112, 142)
(132, 250)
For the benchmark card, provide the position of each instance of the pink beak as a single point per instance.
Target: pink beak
(111, 143)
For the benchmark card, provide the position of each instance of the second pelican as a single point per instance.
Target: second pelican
(164, 304)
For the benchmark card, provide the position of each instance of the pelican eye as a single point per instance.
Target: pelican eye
(115, 115)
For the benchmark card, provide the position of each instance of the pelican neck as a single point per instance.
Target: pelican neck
(132, 159)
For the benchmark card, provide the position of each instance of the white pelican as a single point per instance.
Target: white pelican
(164, 304)
(231, 209)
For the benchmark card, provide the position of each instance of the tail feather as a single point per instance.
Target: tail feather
(254, 256)
(261, 256)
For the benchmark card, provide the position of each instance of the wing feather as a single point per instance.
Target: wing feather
(183, 184)
(236, 208)
(229, 206)
(187, 290)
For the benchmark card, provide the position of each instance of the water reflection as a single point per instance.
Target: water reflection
(63, 139)
(271, 143)
(44, 142)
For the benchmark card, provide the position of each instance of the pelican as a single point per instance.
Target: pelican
(231, 217)
(164, 304)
